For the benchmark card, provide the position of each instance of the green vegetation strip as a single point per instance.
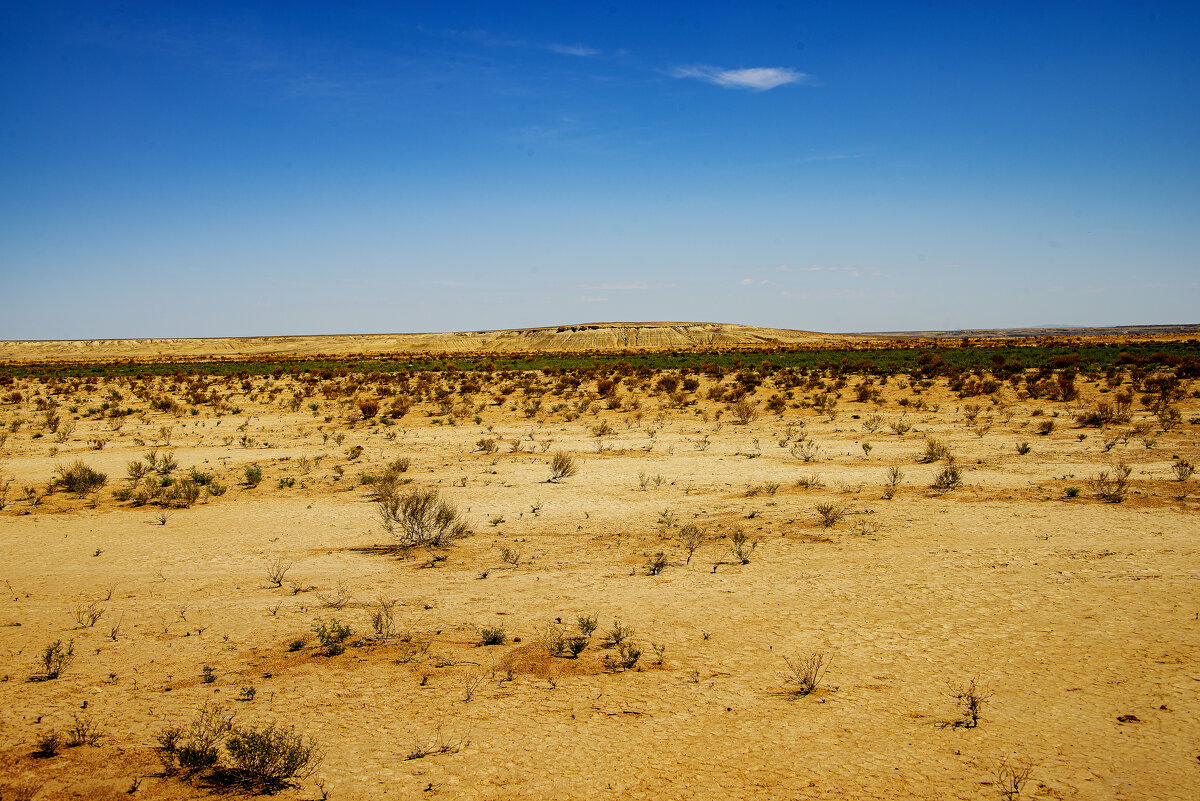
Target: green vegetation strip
(882, 360)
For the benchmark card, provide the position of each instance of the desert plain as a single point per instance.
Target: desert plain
(731, 575)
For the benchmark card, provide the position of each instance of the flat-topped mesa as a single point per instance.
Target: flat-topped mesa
(551, 339)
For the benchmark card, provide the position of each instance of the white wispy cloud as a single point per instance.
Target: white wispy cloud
(758, 79)
(572, 50)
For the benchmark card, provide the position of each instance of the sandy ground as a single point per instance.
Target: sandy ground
(564, 338)
(1078, 619)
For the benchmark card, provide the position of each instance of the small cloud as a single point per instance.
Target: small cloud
(747, 282)
(572, 50)
(586, 299)
(758, 79)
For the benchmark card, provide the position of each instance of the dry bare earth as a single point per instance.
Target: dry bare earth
(1077, 618)
(565, 338)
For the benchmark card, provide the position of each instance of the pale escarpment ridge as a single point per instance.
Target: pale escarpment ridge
(564, 338)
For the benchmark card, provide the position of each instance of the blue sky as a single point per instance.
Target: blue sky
(217, 169)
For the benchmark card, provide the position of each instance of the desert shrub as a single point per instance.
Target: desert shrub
(806, 451)
(744, 411)
(1113, 486)
(200, 477)
(383, 620)
(829, 514)
(87, 615)
(78, 478)
(950, 478)
(136, 470)
(277, 570)
(84, 731)
(388, 483)
(617, 634)
(587, 624)
(625, 658)
(268, 758)
(492, 636)
(331, 636)
(196, 747)
(804, 675)
(254, 475)
(970, 699)
(1011, 777)
(183, 493)
(575, 645)
(892, 481)
(48, 745)
(166, 465)
(656, 564)
(691, 537)
(55, 658)
(421, 517)
(1168, 417)
(935, 451)
(741, 546)
(368, 408)
(1045, 427)
(1183, 470)
(810, 482)
(563, 465)
(1023, 447)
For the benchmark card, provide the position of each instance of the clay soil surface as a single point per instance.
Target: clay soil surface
(1076, 618)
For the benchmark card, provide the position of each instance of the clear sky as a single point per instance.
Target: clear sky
(222, 169)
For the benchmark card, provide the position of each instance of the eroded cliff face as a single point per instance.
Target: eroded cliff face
(566, 338)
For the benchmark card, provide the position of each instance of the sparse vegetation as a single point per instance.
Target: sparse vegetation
(55, 658)
(948, 478)
(970, 698)
(562, 465)
(1112, 485)
(421, 517)
(805, 673)
(829, 514)
(667, 439)
(79, 479)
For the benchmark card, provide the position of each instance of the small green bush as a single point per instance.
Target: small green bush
(268, 758)
(254, 475)
(79, 479)
(55, 659)
(331, 636)
(492, 636)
